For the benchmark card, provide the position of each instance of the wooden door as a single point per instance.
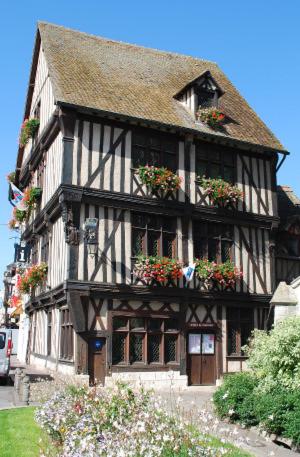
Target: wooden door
(97, 360)
(201, 358)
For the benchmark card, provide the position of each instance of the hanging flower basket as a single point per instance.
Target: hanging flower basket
(13, 224)
(31, 278)
(31, 197)
(212, 116)
(226, 274)
(158, 269)
(19, 216)
(11, 177)
(14, 301)
(28, 130)
(159, 179)
(220, 192)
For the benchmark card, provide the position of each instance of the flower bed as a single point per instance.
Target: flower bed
(28, 130)
(159, 179)
(31, 278)
(211, 116)
(226, 274)
(159, 269)
(220, 192)
(120, 422)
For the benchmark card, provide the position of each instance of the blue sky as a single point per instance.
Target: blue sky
(256, 44)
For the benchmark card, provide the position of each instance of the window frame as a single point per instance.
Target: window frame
(237, 322)
(49, 331)
(66, 352)
(147, 229)
(147, 332)
(212, 155)
(208, 230)
(154, 143)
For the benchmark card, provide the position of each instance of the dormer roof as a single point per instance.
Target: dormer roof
(138, 83)
(206, 76)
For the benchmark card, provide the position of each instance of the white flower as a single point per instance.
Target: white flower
(225, 395)
(231, 412)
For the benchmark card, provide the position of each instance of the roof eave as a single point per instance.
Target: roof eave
(185, 130)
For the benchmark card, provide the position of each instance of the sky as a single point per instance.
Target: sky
(256, 43)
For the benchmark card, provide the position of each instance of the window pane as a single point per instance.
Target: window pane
(201, 168)
(154, 324)
(246, 314)
(171, 324)
(228, 158)
(138, 156)
(153, 243)
(245, 333)
(153, 158)
(154, 222)
(215, 171)
(118, 347)
(168, 245)
(212, 249)
(137, 242)
(119, 322)
(232, 339)
(136, 347)
(153, 348)
(228, 174)
(170, 348)
(208, 343)
(138, 220)
(200, 247)
(194, 343)
(2, 340)
(137, 323)
(226, 250)
(169, 224)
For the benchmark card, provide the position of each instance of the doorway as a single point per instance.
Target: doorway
(97, 360)
(201, 358)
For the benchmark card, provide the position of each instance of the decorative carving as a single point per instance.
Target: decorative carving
(71, 231)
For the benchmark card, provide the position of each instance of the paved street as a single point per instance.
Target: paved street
(6, 396)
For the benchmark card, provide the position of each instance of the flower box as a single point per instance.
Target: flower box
(11, 177)
(157, 269)
(159, 179)
(28, 130)
(211, 116)
(225, 274)
(220, 192)
(32, 277)
(31, 197)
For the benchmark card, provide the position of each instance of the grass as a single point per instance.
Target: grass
(19, 434)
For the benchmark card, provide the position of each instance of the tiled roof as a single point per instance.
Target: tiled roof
(288, 202)
(141, 83)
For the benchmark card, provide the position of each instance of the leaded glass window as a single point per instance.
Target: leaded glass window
(139, 340)
(153, 235)
(213, 161)
(159, 150)
(213, 241)
(239, 328)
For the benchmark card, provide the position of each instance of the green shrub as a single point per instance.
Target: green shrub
(235, 398)
(275, 356)
(291, 424)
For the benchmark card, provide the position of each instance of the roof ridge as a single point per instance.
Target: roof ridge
(149, 49)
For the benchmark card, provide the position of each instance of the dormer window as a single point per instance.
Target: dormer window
(207, 93)
(203, 92)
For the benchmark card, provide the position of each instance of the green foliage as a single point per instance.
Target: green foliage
(235, 398)
(220, 192)
(275, 409)
(275, 356)
(28, 130)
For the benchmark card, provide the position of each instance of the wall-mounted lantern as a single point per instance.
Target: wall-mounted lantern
(90, 228)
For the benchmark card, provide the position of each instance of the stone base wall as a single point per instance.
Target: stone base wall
(150, 379)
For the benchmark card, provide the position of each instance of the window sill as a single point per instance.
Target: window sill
(236, 357)
(66, 361)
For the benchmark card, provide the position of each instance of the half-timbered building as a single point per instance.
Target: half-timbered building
(105, 108)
